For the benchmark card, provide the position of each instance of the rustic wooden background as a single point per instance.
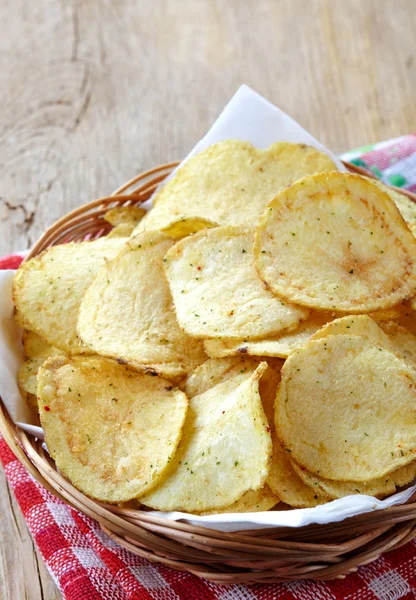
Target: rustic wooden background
(94, 91)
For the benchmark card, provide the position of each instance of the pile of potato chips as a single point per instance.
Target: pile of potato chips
(249, 342)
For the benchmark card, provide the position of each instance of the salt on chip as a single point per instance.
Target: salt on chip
(224, 452)
(346, 408)
(280, 346)
(217, 292)
(258, 501)
(285, 483)
(28, 372)
(110, 430)
(121, 215)
(379, 488)
(127, 312)
(48, 289)
(231, 182)
(336, 241)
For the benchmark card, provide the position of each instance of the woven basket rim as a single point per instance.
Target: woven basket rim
(277, 553)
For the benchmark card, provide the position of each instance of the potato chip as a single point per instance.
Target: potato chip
(231, 182)
(404, 475)
(346, 409)
(379, 488)
(284, 482)
(225, 449)
(217, 370)
(124, 215)
(389, 314)
(124, 230)
(217, 264)
(355, 325)
(183, 227)
(336, 241)
(34, 345)
(110, 430)
(127, 312)
(28, 372)
(279, 346)
(47, 289)
(403, 342)
(405, 205)
(258, 501)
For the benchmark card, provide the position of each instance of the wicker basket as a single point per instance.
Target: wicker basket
(267, 555)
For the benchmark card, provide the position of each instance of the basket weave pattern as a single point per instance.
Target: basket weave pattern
(268, 555)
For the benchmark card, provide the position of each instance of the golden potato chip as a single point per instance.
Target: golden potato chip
(34, 345)
(336, 241)
(346, 409)
(125, 215)
(110, 430)
(216, 290)
(224, 452)
(405, 205)
(379, 488)
(404, 475)
(355, 325)
(28, 372)
(127, 312)
(408, 321)
(403, 342)
(47, 289)
(389, 314)
(186, 226)
(231, 182)
(217, 370)
(285, 483)
(124, 230)
(279, 346)
(258, 501)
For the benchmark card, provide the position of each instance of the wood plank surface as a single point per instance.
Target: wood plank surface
(92, 92)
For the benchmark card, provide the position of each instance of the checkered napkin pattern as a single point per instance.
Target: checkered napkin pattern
(87, 565)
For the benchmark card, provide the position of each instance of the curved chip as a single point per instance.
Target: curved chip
(127, 312)
(285, 483)
(355, 325)
(280, 346)
(258, 501)
(402, 341)
(346, 409)
(217, 370)
(185, 226)
(110, 430)
(379, 488)
(33, 344)
(216, 290)
(124, 230)
(224, 452)
(336, 241)
(121, 215)
(404, 475)
(48, 289)
(231, 182)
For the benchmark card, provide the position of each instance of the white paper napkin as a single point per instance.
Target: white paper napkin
(249, 117)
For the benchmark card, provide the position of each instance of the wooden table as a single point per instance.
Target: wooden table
(94, 92)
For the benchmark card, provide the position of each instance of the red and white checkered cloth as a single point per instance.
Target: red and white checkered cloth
(87, 565)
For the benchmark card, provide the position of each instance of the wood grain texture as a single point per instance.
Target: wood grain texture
(93, 92)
